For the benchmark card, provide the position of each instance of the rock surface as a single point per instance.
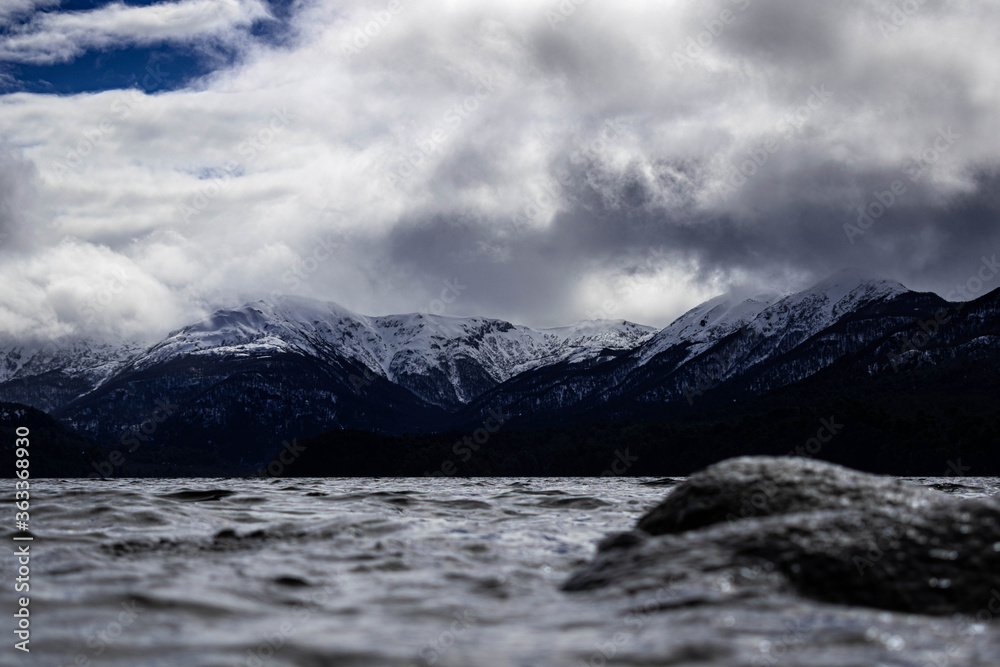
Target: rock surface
(761, 526)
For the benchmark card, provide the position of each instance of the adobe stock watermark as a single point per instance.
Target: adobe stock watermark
(359, 383)
(362, 37)
(121, 109)
(913, 342)
(437, 647)
(969, 627)
(883, 200)
(828, 428)
(900, 15)
(306, 265)
(552, 193)
(707, 375)
(563, 11)
(956, 469)
(104, 296)
(290, 452)
(434, 142)
(620, 465)
(796, 633)
(698, 44)
(249, 149)
(757, 498)
(877, 547)
(102, 640)
(133, 438)
(976, 283)
(634, 621)
(465, 447)
(793, 121)
(267, 649)
(449, 294)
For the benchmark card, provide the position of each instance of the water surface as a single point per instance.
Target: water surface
(429, 571)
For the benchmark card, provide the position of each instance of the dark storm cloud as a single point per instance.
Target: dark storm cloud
(815, 218)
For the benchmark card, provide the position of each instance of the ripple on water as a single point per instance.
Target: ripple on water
(198, 496)
(462, 504)
(572, 502)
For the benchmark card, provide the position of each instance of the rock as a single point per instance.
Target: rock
(758, 486)
(776, 526)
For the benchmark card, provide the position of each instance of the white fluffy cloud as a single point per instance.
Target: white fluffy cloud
(12, 9)
(558, 163)
(56, 37)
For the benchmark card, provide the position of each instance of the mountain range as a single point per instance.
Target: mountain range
(227, 392)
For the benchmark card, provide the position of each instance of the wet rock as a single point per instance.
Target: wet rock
(765, 527)
(757, 486)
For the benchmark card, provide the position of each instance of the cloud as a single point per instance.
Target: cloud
(12, 9)
(74, 287)
(57, 37)
(17, 199)
(560, 161)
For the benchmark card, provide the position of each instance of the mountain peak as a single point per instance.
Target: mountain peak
(416, 350)
(848, 280)
(807, 312)
(711, 321)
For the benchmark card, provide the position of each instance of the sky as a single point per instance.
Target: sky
(540, 162)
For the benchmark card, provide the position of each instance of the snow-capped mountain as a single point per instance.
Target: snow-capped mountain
(708, 323)
(73, 356)
(47, 374)
(234, 385)
(296, 366)
(798, 316)
(463, 356)
(795, 316)
(729, 346)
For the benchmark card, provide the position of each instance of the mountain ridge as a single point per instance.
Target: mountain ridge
(247, 378)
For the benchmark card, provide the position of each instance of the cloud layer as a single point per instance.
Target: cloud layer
(558, 161)
(58, 37)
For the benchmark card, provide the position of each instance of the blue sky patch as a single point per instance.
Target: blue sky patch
(176, 65)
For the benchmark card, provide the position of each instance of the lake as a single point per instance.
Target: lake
(429, 571)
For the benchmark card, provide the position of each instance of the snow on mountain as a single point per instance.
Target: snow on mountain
(786, 323)
(798, 315)
(808, 312)
(397, 347)
(449, 361)
(761, 343)
(768, 329)
(72, 357)
(47, 374)
(707, 323)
